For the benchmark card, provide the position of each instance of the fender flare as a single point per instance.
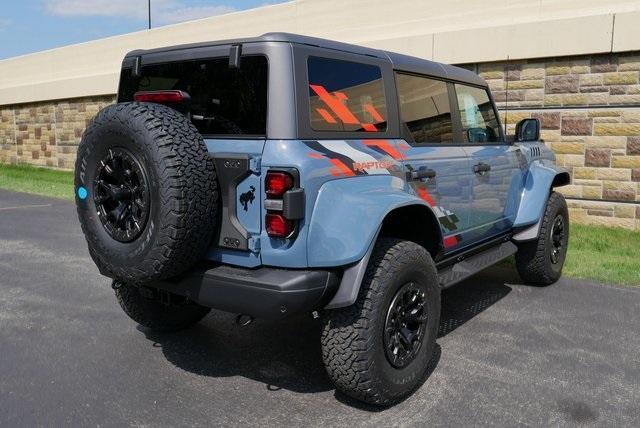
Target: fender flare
(542, 177)
(348, 214)
(345, 225)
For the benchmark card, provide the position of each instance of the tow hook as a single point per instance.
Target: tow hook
(244, 320)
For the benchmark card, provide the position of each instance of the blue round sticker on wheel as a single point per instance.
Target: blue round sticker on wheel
(82, 192)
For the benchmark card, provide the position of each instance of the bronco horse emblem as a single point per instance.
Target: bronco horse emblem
(248, 197)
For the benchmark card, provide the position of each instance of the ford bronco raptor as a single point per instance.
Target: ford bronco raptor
(284, 174)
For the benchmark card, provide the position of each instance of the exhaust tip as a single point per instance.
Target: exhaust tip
(244, 320)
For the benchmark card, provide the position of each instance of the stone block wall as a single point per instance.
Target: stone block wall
(589, 107)
(46, 134)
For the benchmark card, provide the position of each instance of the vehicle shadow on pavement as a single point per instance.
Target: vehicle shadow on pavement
(287, 354)
(464, 301)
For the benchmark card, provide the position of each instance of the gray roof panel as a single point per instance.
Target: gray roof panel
(400, 62)
(413, 64)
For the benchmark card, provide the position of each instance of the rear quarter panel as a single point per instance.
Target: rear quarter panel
(348, 184)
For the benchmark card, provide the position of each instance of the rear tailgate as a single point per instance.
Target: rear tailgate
(228, 106)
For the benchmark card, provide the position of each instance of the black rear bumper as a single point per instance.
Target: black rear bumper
(264, 292)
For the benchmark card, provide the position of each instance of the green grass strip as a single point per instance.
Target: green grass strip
(604, 254)
(39, 181)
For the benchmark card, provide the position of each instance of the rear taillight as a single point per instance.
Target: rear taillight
(276, 183)
(278, 226)
(284, 203)
(160, 97)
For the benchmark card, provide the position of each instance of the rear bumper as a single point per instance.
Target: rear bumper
(265, 292)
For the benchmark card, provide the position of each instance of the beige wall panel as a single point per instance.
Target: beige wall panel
(574, 36)
(627, 32)
(420, 46)
(99, 84)
(462, 31)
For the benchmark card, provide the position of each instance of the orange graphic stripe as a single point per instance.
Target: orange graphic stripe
(425, 196)
(374, 113)
(341, 168)
(341, 110)
(387, 147)
(326, 115)
(450, 241)
(341, 96)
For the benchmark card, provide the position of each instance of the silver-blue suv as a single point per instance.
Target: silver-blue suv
(283, 174)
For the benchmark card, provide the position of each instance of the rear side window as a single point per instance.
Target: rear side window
(478, 117)
(224, 101)
(346, 96)
(424, 107)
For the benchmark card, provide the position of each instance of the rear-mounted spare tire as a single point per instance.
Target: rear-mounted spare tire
(146, 192)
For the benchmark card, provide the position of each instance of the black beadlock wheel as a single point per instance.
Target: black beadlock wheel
(378, 349)
(121, 195)
(146, 192)
(405, 325)
(541, 260)
(558, 244)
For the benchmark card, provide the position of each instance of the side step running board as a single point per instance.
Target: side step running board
(463, 269)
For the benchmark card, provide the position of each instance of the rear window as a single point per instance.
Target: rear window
(346, 96)
(224, 101)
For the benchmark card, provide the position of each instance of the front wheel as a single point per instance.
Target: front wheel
(540, 261)
(378, 349)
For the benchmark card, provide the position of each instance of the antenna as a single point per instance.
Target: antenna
(149, 10)
(506, 95)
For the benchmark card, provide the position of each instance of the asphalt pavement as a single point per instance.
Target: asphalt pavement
(508, 354)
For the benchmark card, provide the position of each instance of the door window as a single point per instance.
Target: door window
(424, 108)
(479, 121)
(346, 96)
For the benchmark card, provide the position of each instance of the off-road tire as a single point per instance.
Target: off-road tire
(145, 308)
(352, 337)
(182, 186)
(533, 259)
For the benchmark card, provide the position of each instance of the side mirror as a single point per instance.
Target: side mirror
(528, 130)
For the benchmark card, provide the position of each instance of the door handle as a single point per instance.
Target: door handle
(423, 173)
(481, 168)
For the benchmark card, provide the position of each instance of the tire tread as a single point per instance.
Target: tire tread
(532, 261)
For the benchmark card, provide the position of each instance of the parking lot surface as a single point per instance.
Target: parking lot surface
(508, 354)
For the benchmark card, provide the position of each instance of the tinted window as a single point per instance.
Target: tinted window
(479, 121)
(346, 96)
(425, 110)
(224, 101)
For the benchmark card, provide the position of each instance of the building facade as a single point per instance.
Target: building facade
(575, 65)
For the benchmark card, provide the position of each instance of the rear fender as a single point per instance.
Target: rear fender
(348, 215)
(543, 176)
(347, 221)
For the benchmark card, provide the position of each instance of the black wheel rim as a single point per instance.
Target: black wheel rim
(121, 195)
(405, 325)
(558, 232)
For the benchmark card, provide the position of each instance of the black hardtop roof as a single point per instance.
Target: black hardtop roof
(400, 62)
